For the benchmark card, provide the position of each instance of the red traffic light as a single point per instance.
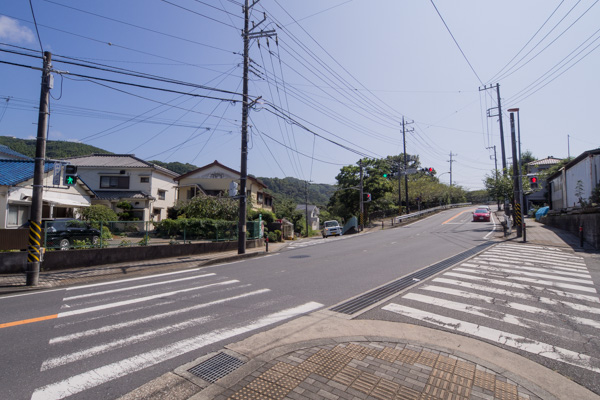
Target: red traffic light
(533, 179)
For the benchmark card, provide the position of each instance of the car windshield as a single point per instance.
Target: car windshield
(481, 211)
(330, 224)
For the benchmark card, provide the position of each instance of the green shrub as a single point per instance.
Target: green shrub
(279, 235)
(125, 243)
(196, 228)
(272, 237)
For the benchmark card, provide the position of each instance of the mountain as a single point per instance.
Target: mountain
(55, 149)
(176, 166)
(295, 190)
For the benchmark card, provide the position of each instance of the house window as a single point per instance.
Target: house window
(162, 194)
(144, 179)
(17, 215)
(259, 198)
(114, 182)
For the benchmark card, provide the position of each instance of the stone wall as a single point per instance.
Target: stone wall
(572, 221)
(15, 262)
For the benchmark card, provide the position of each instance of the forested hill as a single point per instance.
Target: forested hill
(295, 190)
(55, 149)
(176, 166)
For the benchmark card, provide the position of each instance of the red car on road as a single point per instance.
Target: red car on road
(481, 214)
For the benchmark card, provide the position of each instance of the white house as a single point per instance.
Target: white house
(123, 177)
(313, 215)
(584, 172)
(16, 191)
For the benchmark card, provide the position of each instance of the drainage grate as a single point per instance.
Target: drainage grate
(374, 296)
(216, 367)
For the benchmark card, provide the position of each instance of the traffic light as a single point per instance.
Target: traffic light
(70, 175)
(368, 197)
(427, 170)
(533, 182)
(385, 175)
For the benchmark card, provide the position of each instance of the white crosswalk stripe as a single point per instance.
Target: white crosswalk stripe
(151, 322)
(541, 300)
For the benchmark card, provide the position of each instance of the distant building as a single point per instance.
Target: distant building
(313, 215)
(214, 179)
(539, 194)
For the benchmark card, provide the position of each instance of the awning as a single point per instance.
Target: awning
(63, 201)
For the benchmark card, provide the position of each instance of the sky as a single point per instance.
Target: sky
(330, 84)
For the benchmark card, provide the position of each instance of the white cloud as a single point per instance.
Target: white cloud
(12, 31)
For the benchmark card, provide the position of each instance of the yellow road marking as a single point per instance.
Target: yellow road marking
(28, 321)
(462, 212)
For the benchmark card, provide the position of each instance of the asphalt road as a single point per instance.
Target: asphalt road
(101, 341)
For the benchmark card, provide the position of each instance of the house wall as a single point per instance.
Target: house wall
(73, 197)
(582, 171)
(164, 182)
(556, 193)
(91, 176)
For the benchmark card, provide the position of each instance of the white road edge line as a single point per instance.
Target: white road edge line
(89, 379)
(493, 227)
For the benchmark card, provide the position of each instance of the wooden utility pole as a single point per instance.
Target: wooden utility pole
(34, 255)
(499, 115)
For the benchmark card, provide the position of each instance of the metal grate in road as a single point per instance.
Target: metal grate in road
(216, 367)
(376, 295)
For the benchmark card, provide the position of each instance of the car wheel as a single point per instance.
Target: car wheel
(95, 240)
(64, 244)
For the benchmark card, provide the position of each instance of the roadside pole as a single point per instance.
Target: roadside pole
(362, 206)
(35, 219)
(518, 218)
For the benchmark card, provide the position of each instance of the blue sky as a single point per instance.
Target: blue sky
(345, 70)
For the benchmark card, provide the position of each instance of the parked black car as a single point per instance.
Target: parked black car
(62, 232)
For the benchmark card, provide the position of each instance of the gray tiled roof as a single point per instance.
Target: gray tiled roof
(109, 160)
(545, 161)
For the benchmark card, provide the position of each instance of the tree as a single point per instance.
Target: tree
(527, 157)
(203, 206)
(98, 212)
(499, 186)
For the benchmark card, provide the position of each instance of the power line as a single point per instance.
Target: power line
(457, 45)
(36, 27)
(199, 14)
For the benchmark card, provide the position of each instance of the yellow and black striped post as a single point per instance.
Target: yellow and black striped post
(518, 218)
(34, 256)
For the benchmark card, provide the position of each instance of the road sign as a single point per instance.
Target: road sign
(56, 177)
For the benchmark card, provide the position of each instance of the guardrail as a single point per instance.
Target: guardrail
(419, 214)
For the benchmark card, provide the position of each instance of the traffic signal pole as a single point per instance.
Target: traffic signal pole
(34, 256)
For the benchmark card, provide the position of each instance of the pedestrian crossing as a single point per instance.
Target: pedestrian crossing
(537, 299)
(318, 241)
(108, 331)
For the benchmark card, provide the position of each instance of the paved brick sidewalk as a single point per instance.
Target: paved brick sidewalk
(379, 370)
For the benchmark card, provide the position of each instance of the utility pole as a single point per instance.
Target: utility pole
(404, 130)
(451, 161)
(362, 206)
(306, 183)
(569, 146)
(35, 219)
(499, 115)
(400, 189)
(516, 179)
(247, 34)
(496, 172)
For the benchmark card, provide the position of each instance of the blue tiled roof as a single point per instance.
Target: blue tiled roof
(17, 171)
(7, 150)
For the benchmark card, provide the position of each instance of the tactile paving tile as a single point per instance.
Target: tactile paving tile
(385, 390)
(485, 380)
(271, 375)
(269, 389)
(347, 375)
(390, 355)
(247, 394)
(465, 373)
(365, 382)
(283, 367)
(309, 366)
(505, 391)
(299, 373)
(438, 373)
(350, 352)
(288, 383)
(427, 358)
(406, 393)
(408, 356)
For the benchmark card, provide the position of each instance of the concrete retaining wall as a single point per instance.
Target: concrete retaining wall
(15, 262)
(571, 223)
